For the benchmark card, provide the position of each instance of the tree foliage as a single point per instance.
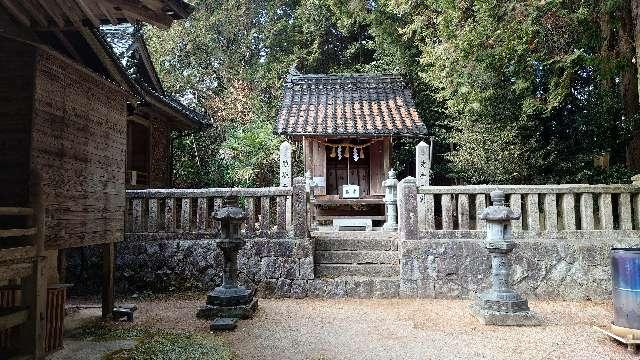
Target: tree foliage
(513, 91)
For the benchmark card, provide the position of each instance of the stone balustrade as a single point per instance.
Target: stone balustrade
(187, 213)
(545, 208)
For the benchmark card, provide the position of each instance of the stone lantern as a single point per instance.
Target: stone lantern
(391, 201)
(230, 301)
(501, 305)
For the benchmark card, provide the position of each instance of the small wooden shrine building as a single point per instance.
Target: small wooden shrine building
(64, 112)
(346, 123)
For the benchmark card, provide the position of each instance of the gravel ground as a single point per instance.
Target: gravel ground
(89, 350)
(398, 329)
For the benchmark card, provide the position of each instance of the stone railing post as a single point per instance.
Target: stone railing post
(310, 188)
(299, 199)
(408, 209)
(423, 167)
(285, 174)
(391, 202)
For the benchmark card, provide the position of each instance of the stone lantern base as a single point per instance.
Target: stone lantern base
(210, 312)
(491, 317)
(237, 302)
(503, 308)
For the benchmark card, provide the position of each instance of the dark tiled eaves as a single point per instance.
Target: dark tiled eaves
(347, 105)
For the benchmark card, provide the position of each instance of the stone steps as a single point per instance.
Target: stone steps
(355, 241)
(359, 270)
(356, 257)
(359, 287)
(356, 254)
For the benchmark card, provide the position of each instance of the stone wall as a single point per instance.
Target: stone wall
(167, 266)
(543, 268)
(190, 265)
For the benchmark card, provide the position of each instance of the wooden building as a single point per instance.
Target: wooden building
(63, 135)
(347, 123)
(153, 114)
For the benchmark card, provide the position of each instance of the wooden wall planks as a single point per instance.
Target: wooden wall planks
(16, 101)
(78, 146)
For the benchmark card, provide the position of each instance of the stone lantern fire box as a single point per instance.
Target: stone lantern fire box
(230, 301)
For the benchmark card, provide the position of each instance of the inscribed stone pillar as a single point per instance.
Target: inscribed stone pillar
(299, 196)
(423, 167)
(285, 174)
(407, 209)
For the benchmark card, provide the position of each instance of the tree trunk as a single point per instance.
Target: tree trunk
(629, 48)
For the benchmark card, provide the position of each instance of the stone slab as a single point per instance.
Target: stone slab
(523, 318)
(371, 241)
(368, 270)
(241, 312)
(357, 257)
(223, 324)
(346, 224)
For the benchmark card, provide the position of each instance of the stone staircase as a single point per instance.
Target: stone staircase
(367, 261)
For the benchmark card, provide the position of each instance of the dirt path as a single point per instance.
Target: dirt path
(398, 329)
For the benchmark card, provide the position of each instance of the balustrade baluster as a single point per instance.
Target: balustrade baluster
(281, 220)
(533, 213)
(429, 209)
(515, 203)
(550, 212)
(624, 211)
(152, 223)
(185, 215)
(250, 228)
(217, 204)
(481, 204)
(605, 210)
(636, 211)
(170, 215)
(568, 211)
(201, 214)
(463, 211)
(265, 216)
(137, 215)
(586, 211)
(447, 211)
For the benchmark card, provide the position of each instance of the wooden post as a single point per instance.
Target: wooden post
(108, 265)
(35, 286)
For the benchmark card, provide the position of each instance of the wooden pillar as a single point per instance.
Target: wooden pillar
(108, 266)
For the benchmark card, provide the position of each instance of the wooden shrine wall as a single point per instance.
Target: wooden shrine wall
(17, 61)
(79, 148)
(160, 154)
(315, 160)
(380, 164)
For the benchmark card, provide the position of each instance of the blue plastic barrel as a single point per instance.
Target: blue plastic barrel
(625, 268)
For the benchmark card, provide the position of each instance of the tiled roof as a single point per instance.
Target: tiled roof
(347, 104)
